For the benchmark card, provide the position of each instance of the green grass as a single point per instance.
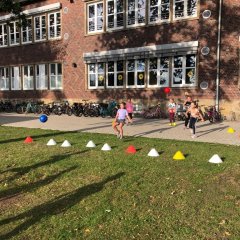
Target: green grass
(79, 193)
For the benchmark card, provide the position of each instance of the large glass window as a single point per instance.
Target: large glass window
(4, 78)
(135, 12)
(27, 35)
(15, 78)
(158, 72)
(96, 75)
(159, 10)
(40, 28)
(185, 8)
(95, 17)
(136, 73)
(55, 75)
(184, 70)
(115, 74)
(54, 25)
(3, 35)
(14, 33)
(115, 14)
(41, 73)
(27, 77)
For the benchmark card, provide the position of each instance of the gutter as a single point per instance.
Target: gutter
(218, 54)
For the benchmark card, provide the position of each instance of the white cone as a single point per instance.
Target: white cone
(106, 147)
(91, 144)
(66, 143)
(153, 153)
(215, 159)
(51, 142)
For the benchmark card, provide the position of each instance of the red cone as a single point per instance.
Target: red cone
(131, 149)
(28, 140)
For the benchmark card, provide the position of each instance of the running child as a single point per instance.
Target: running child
(194, 115)
(121, 115)
(187, 105)
(171, 111)
(129, 108)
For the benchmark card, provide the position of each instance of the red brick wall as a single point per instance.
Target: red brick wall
(71, 51)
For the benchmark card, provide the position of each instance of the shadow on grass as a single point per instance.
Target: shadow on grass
(12, 192)
(54, 207)
(19, 171)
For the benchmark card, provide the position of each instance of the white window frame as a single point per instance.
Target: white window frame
(56, 76)
(115, 13)
(55, 26)
(4, 34)
(95, 17)
(16, 41)
(158, 85)
(185, 12)
(29, 31)
(96, 73)
(115, 75)
(27, 78)
(40, 28)
(41, 77)
(4, 78)
(159, 6)
(135, 74)
(136, 14)
(16, 78)
(183, 84)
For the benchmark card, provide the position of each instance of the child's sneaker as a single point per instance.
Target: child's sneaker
(174, 124)
(170, 124)
(120, 136)
(194, 136)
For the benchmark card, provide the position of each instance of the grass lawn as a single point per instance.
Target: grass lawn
(79, 193)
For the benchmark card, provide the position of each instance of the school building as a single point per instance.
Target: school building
(101, 49)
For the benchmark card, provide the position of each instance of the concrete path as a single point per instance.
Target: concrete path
(154, 128)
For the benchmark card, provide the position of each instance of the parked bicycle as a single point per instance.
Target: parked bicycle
(109, 109)
(212, 114)
(152, 112)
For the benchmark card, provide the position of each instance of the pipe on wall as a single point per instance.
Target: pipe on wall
(218, 54)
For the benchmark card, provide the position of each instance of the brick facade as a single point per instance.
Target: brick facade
(71, 51)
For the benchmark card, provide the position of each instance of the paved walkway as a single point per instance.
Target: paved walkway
(154, 128)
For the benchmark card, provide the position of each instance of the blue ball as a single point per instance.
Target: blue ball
(43, 118)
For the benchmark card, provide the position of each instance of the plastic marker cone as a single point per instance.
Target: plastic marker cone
(66, 143)
(215, 159)
(90, 144)
(28, 140)
(178, 156)
(153, 153)
(131, 149)
(231, 130)
(51, 142)
(106, 147)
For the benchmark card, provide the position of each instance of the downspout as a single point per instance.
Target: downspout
(218, 54)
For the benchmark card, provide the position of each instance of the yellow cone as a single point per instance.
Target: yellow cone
(178, 156)
(231, 130)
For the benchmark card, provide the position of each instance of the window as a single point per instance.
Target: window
(14, 33)
(96, 73)
(27, 77)
(4, 78)
(115, 14)
(95, 17)
(115, 74)
(184, 70)
(136, 73)
(135, 12)
(3, 35)
(15, 78)
(40, 28)
(54, 25)
(158, 72)
(159, 10)
(185, 8)
(41, 73)
(55, 75)
(27, 32)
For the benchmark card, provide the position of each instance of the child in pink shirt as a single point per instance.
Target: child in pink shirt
(129, 108)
